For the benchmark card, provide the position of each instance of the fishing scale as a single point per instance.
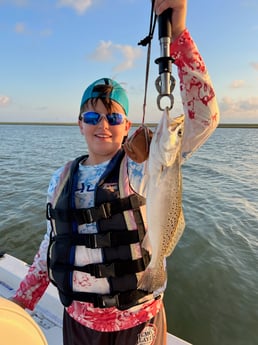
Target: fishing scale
(137, 146)
(165, 83)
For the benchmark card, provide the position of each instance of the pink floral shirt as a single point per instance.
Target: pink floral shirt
(202, 116)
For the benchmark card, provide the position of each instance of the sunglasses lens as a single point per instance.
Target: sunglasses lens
(91, 118)
(115, 119)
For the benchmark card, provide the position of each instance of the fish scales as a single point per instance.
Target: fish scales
(164, 200)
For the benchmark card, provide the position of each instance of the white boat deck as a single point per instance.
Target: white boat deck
(49, 311)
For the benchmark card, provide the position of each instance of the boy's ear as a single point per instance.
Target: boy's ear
(80, 125)
(128, 125)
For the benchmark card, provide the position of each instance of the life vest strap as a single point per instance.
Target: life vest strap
(122, 300)
(100, 240)
(93, 214)
(107, 270)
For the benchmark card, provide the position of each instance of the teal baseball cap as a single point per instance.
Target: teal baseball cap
(117, 94)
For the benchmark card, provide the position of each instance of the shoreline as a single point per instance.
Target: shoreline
(221, 125)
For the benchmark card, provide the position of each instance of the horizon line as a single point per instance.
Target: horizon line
(134, 124)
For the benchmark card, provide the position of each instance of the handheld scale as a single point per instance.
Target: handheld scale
(165, 82)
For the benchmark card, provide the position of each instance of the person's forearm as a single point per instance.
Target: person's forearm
(198, 96)
(35, 282)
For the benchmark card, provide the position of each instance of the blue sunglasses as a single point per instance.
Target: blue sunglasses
(93, 118)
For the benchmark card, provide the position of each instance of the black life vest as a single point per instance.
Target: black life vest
(113, 237)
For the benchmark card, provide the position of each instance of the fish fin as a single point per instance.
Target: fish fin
(152, 279)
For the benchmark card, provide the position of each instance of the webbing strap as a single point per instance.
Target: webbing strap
(93, 214)
(100, 240)
(122, 300)
(101, 270)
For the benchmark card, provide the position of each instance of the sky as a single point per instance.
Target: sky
(51, 50)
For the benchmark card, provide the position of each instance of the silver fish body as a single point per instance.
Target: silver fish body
(164, 200)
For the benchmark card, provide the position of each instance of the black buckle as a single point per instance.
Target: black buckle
(123, 301)
(103, 270)
(93, 214)
(87, 216)
(136, 201)
(101, 240)
(108, 301)
(104, 210)
(94, 241)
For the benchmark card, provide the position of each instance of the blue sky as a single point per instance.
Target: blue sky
(52, 49)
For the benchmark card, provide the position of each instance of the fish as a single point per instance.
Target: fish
(165, 218)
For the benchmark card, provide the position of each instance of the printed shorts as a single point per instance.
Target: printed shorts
(152, 332)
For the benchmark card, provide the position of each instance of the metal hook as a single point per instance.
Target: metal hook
(170, 97)
(170, 83)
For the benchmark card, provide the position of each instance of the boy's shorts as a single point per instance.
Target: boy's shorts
(152, 332)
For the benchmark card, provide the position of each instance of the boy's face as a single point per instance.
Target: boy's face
(102, 139)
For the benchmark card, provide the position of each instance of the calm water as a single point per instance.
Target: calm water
(212, 294)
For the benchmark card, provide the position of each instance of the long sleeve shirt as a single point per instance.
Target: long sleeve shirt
(201, 119)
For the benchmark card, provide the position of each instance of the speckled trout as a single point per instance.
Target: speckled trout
(164, 200)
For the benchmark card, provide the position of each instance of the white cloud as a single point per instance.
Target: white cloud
(237, 84)
(80, 6)
(130, 54)
(244, 107)
(239, 110)
(103, 52)
(108, 51)
(4, 100)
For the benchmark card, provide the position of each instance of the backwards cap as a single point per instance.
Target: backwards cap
(117, 94)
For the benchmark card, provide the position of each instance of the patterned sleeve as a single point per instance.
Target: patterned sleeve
(34, 284)
(197, 93)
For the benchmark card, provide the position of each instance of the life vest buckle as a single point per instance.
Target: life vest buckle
(100, 240)
(136, 201)
(87, 216)
(123, 301)
(104, 270)
(90, 215)
(108, 301)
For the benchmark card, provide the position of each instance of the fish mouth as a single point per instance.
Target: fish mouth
(177, 124)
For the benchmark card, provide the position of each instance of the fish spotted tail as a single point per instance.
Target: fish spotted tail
(152, 279)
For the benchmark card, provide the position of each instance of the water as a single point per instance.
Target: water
(212, 293)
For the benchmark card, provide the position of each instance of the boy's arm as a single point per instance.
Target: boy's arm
(198, 96)
(34, 284)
